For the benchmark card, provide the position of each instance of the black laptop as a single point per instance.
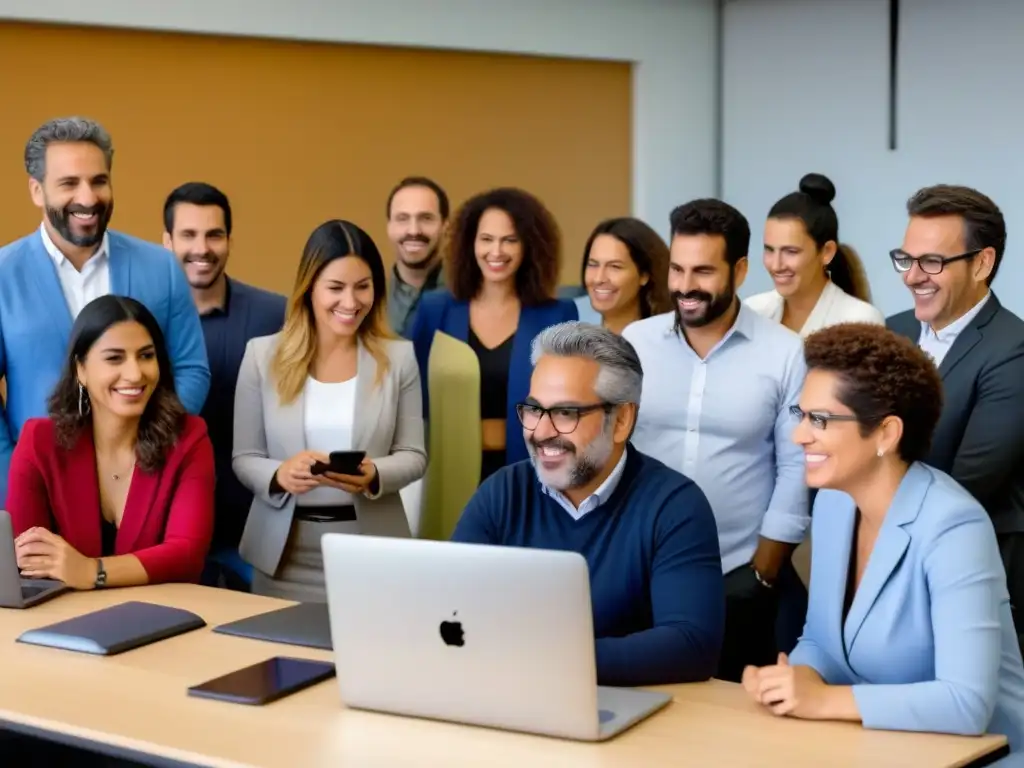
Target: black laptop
(16, 592)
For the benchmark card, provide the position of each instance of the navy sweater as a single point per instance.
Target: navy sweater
(655, 571)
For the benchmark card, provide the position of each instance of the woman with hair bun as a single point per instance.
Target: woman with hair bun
(818, 280)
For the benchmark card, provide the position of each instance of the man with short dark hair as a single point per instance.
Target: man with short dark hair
(197, 229)
(69, 260)
(417, 213)
(951, 252)
(646, 531)
(720, 381)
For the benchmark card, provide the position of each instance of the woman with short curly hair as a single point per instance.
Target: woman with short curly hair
(501, 268)
(909, 624)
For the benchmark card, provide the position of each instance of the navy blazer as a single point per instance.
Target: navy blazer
(440, 311)
(928, 643)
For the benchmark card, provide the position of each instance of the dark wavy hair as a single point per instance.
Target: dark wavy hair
(537, 276)
(649, 253)
(881, 373)
(164, 416)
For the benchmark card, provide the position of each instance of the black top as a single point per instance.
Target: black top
(248, 312)
(851, 569)
(108, 535)
(494, 368)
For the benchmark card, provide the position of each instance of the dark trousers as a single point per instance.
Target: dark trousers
(28, 752)
(760, 622)
(750, 611)
(1011, 548)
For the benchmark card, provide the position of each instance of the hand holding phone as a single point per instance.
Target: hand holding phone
(340, 463)
(266, 681)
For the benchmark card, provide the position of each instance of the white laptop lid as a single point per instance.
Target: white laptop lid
(400, 607)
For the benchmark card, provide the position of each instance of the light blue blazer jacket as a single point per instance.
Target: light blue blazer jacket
(928, 644)
(35, 326)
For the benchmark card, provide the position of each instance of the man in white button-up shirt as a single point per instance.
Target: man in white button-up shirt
(718, 386)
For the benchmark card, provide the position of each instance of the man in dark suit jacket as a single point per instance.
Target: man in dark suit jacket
(197, 229)
(950, 255)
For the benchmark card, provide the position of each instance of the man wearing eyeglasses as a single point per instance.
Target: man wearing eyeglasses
(647, 532)
(950, 255)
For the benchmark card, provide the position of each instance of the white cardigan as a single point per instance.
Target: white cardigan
(834, 306)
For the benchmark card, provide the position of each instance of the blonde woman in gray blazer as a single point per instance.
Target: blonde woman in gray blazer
(334, 379)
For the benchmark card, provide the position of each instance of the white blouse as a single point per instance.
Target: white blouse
(328, 415)
(834, 306)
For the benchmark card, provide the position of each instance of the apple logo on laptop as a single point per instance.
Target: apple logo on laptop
(452, 632)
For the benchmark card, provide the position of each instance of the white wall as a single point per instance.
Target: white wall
(672, 42)
(805, 89)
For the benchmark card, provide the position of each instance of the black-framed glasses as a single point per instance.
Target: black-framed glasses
(819, 419)
(564, 418)
(930, 263)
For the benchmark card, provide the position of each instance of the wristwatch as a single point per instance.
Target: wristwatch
(101, 575)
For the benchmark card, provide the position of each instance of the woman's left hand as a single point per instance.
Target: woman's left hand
(42, 554)
(362, 483)
(797, 691)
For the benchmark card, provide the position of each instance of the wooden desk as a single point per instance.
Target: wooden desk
(136, 703)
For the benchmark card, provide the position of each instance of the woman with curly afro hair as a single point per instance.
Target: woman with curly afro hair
(909, 624)
(501, 268)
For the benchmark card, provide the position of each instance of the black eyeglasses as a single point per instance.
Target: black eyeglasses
(930, 263)
(819, 419)
(564, 418)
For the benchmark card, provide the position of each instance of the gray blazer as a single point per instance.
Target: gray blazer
(388, 426)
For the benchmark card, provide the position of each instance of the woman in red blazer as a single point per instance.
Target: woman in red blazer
(115, 488)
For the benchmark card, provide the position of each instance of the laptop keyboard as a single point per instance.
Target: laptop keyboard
(30, 591)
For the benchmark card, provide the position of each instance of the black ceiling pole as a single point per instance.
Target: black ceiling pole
(894, 41)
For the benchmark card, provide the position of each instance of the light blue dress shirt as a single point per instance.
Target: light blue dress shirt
(724, 422)
(594, 500)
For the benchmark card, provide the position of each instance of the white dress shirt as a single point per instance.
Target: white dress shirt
(724, 422)
(594, 500)
(938, 344)
(80, 287)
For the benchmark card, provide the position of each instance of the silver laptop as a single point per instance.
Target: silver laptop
(16, 592)
(493, 636)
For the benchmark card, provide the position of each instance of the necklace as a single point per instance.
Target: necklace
(116, 477)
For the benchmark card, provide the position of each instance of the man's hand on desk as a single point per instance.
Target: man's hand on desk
(799, 691)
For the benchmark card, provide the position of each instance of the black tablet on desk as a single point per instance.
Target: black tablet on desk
(116, 629)
(304, 624)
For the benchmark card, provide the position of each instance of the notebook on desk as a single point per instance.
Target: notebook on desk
(305, 624)
(16, 592)
(116, 629)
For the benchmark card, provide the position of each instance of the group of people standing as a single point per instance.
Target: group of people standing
(166, 422)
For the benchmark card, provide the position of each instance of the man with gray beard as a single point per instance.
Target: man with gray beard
(646, 531)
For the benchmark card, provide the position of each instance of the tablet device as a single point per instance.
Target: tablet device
(341, 463)
(266, 681)
(305, 624)
(116, 629)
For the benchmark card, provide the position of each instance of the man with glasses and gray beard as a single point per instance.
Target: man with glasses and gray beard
(647, 532)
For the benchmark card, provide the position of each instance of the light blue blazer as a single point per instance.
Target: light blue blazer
(928, 644)
(35, 326)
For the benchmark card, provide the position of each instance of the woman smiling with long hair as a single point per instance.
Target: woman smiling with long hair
(334, 379)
